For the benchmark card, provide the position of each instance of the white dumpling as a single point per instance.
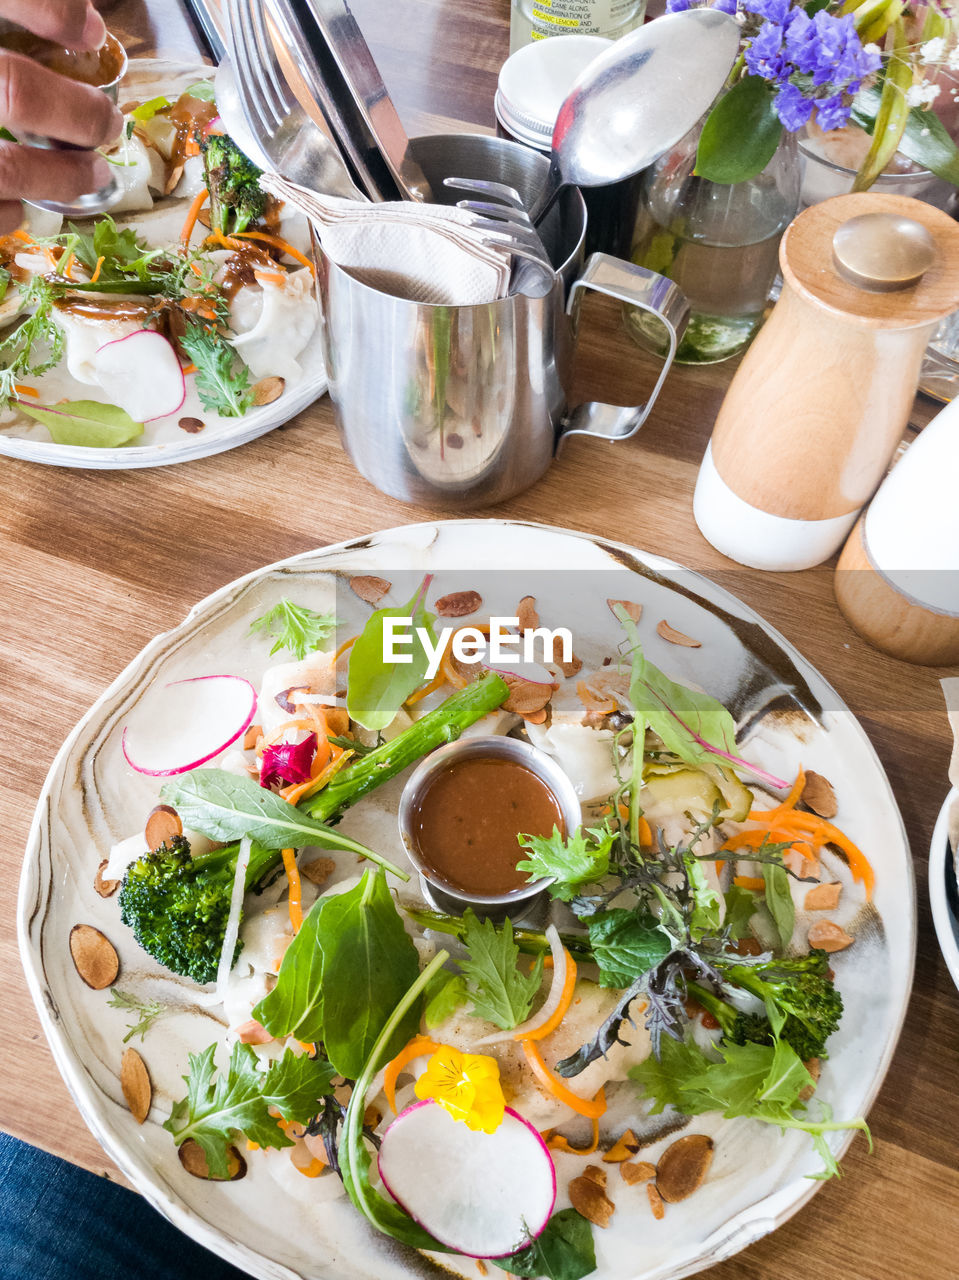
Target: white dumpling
(85, 337)
(139, 170)
(584, 754)
(192, 181)
(273, 323)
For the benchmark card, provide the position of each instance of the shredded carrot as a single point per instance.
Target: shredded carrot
(750, 882)
(225, 242)
(296, 889)
(347, 644)
(188, 368)
(51, 257)
(427, 689)
(270, 277)
(196, 269)
(592, 700)
(251, 1145)
(591, 1108)
(197, 203)
(67, 265)
(278, 243)
(313, 1169)
(24, 236)
(416, 1048)
(565, 1000)
(548, 962)
(294, 794)
(556, 1141)
(97, 269)
(795, 791)
(23, 390)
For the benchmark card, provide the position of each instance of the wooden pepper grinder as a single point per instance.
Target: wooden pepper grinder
(819, 404)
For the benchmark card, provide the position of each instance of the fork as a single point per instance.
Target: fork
(505, 205)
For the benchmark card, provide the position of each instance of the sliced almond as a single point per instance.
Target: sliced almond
(105, 888)
(192, 426)
(94, 955)
(589, 1199)
(173, 179)
(814, 1067)
(829, 936)
(369, 588)
(458, 604)
(823, 897)
(676, 637)
(571, 668)
(136, 1086)
(251, 736)
(637, 1171)
(319, 870)
(162, 825)
(598, 1175)
(252, 1032)
(655, 1202)
(818, 793)
(535, 717)
(526, 613)
(193, 1158)
(267, 390)
(625, 1146)
(634, 610)
(372, 1116)
(683, 1166)
(525, 696)
(481, 1267)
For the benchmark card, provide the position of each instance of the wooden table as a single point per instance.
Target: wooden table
(93, 565)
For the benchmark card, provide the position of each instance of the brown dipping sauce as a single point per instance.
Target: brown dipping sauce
(469, 815)
(100, 67)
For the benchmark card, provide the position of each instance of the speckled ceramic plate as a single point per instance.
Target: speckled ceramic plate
(944, 890)
(787, 714)
(163, 441)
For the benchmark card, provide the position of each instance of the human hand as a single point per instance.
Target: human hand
(35, 100)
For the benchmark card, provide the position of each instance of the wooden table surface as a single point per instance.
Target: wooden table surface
(93, 565)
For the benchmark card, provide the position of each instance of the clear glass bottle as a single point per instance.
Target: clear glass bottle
(538, 19)
(719, 242)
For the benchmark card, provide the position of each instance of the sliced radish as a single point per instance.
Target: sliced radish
(482, 1194)
(142, 374)
(529, 672)
(188, 724)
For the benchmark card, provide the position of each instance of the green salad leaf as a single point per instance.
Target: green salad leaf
(295, 627)
(443, 998)
(219, 1107)
(377, 689)
(501, 992)
(84, 422)
(571, 861)
(626, 944)
(564, 1250)
(222, 380)
(779, 900)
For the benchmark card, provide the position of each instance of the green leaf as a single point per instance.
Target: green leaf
(581, 858)
(147, 110)
(666, 1079)
(741, 133)
(500, 991)
(4, 282)
(893, 112)
(448, 994)
(376, 689)
(779, 900)
(217, 1108)
(85, 422)
(145, 1012)
(227, 807)
(294, 627)
(706, 901)
(563, 1251)
(786, 1079)
(295, 1005)
(625, 945)
(925, 139)
(740, 909)
(736, 1084)
(203, 89)
(223, 382)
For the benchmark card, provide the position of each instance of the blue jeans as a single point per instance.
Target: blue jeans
(58, 1222)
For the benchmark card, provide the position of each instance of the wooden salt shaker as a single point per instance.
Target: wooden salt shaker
(821, 399)
(897, 580)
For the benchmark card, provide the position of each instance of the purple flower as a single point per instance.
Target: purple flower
(792, 107)
(775, 10)
(725, 6)
(288, 762)
(832, 113)
(764, 56)
(678, 6)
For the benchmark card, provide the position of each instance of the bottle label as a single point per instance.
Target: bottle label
(586, 17)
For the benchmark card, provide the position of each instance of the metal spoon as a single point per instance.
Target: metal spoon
(637, 99)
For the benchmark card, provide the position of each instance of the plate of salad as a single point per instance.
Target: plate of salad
(317, 1071)
(179, 324)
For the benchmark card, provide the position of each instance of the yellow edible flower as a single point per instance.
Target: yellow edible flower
(466, 1085)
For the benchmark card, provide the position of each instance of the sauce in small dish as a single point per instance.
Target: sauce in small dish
(101, 67)
(463, 809)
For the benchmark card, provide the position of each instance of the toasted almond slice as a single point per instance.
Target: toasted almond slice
(634, 610)
(136, 1086)
(598, 1175)
(589, 1199)
(252, 1032)
(162, 825)
(369, 588)
(525, 695)
(571, 668)
(251, 736)
(829, 936)
(94, 956)
(192, 426)
(818, 793)
(372, 1116)
(535, 717)
(318, 870)
(823, 897)
(637, 1171)
(267, 390)
(526, 613)
(193, 1158)
(481, 1267)
(625, 1146)
(683, 1166)
(814, 1067)
(676, 637)
(105, 888)
(655, 1202)
(458, 604)
(173, 179)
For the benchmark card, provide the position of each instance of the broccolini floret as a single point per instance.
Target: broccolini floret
(233, 181)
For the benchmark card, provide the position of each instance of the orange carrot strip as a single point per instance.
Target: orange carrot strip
(824, 832)
(24, 236)
(556, 1141)
(750, 882)
(270, 277)
(591, 1108)
(313, 1169)
(416, 1048)
(294, 794)
(67, 265)
(278, 243)
(296, 889)
(795, 791)
(199, 200)
(565, 1000)
(22, 390)
(97, 269)
(188, 368)
(347, 644)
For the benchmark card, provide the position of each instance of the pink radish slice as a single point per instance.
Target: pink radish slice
(483, 1194)
(531, 672)
(142, 374)
(188, 723)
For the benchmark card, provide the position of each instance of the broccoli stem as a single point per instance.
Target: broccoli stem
(724, 1014)
(444, 724)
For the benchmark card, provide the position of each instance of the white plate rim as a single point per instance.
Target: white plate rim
(944, 922)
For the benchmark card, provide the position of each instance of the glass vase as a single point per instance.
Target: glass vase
(718, 241)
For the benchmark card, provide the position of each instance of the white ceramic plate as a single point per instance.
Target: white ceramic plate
(90, 799)
(943, 889)
(163, 442)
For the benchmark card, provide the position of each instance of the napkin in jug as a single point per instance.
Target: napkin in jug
(423, 252)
